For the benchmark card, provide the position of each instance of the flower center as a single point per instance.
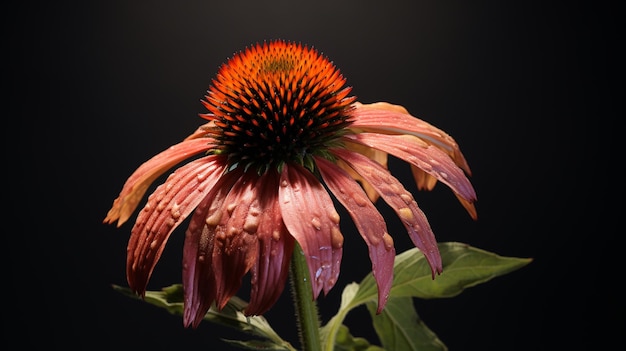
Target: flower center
(275, 103)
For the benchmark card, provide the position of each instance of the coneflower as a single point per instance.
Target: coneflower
(282, 129)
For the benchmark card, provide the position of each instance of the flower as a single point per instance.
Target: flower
(284, 138)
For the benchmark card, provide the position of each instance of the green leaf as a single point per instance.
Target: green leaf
(400, 328)
(346, 342)
(256, 345)
(464, 266)
(171, 299)
(329, 332)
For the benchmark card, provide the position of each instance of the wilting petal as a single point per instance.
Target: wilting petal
(137, 184)
(383, 117)
(269, 274)
(401, 200)
(427, 157)
(369, 222)
(198, 278)
(166, 208)
(310, 216)
(198, 272)
(236, 244)
(373, 154)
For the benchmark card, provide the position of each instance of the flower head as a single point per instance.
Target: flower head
(284, 137)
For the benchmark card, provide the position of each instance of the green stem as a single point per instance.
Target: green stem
(306, 307)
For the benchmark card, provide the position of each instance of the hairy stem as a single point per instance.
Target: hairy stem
(306, 308)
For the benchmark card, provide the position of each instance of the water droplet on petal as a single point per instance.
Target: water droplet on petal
(230, 208)
(361, 201)
(160, 206)
(232, 231)
(373, 240)
(334, 216)
(158, 196)
(397, 189)
(388, 240)
(251, 224)
(318, 273)
(213, 219)
(406, 214)
(336, 239)
(407, 198)
(175, 211)
(276, 235)
(316, 223)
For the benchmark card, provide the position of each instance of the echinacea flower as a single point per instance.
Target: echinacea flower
(284, 137)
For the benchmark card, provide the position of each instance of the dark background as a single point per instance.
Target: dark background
(531, 91)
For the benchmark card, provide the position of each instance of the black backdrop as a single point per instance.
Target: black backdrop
(527, 88)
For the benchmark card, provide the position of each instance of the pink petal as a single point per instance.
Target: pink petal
(398, 198)
(269, 274)
(166, 208)
(373, 154)
(311, 218)
(387, 118)
(198, 277)
(424, 156)
(137, 184)
(199, 280)
(369, 222)
(236, 248)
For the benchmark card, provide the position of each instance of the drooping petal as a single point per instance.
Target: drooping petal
(269, 274)
(311, 218)
(401, 200)
(236, 244)
(430, 159)
(382, 117)
(199, 282)
(166, 208)
(198, 278)
(137, 184)
(369, 222)
(373, 154)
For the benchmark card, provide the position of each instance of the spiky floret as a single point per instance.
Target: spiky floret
(277, 102)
